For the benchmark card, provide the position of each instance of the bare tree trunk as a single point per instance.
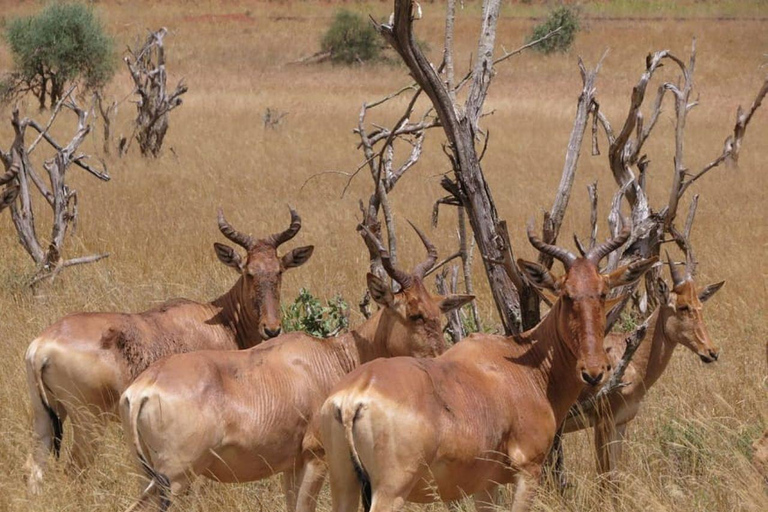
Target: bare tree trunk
(147, 67)
(472, 188)
(21, 177)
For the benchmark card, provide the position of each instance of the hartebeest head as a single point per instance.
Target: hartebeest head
(262, 269)
(686, 325)
(411, 315)
(579, 298)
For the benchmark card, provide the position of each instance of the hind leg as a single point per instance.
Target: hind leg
(46, 437)
(310, 483)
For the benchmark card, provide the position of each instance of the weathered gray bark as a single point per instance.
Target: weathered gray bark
(20, 178)
(147, 67)
(461, 130)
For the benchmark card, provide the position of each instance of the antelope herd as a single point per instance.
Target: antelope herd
(79, 366)
(385, 410)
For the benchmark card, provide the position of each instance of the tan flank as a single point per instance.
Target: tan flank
(677, 321)
(482, 414)
(79, 366)
(243, 416)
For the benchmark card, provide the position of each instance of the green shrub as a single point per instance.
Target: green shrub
(563, 16)
(307, 314)
(351, 39)
(62, 43)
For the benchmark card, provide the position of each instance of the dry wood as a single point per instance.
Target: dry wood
(20, 178)
(461, 130)
(146, 65)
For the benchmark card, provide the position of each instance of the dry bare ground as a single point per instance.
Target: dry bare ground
(688, 450)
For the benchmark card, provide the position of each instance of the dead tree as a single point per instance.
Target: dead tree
(154, 104)
(108, 113)
(651, 228)
(460, 124)
(21, 179)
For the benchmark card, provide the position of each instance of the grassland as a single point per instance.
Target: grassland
(688, 450)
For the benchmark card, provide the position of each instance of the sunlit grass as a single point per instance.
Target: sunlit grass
(687, 451)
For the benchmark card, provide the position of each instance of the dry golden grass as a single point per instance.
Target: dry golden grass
(688, 450)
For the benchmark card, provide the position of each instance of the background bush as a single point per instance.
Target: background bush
(351, 39)
(62, 43)
(307, 314)
(564, 16)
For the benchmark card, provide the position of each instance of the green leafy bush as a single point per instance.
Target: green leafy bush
(308, 314)
(351, 39)
(563, 16)
(62, 43)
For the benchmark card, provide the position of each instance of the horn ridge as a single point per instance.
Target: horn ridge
(398, 275)
(563, 255)
(232, 234)
(602, 250)
(280, 238)
(422, 268)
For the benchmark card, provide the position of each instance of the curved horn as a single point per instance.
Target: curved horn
(232, 234)
(579, 245)
(398, 275)
(422, 268)
(564, 255)
(677, 278)
(602, 250)
(280, 238)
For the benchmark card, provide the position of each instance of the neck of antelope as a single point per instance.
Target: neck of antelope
(237, 316)
(555, 370)
(655, 351)
(364, 343)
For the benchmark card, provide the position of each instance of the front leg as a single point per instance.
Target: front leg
(526, 484)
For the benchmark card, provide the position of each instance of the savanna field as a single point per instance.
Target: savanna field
(689, 448)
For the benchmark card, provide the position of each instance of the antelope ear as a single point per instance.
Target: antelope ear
(628, 274)
(663, 291)
(297, 257)
(451, 302)
(380, 291)
(538, 276)
(709, 291)
(228, 256)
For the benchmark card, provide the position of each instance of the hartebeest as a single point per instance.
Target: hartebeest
(483, 413)
(243, 416)
(677, 321)
(80, 365)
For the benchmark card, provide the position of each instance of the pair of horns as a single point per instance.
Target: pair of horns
(403, 278)
(248, 242)
(594, 255)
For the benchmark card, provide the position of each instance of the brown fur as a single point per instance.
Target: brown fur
(253, 408)
(482, 414)
(678, 322)
(90, 358)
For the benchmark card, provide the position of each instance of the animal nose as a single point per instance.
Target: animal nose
(714, 354)
(271, 333)
(591, 380)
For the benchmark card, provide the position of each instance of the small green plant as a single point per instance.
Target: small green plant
(308, 314)
(351, 39)
(62, 43)
(564, 16)
(628, 321)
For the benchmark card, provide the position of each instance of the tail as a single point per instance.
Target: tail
(362, 475)
(37, 368)
(155, 479)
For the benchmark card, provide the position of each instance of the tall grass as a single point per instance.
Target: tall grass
(688, 449)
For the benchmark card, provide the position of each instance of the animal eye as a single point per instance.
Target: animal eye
(603, 296)
(683, 308)
(416, 318)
